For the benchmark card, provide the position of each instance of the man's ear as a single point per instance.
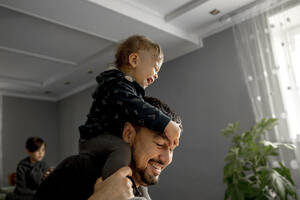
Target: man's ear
(128, 133)
(133, 59)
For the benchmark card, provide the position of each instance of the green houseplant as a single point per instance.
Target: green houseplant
(247, 173)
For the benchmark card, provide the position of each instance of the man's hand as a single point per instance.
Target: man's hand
(115, 187)
(172, 131)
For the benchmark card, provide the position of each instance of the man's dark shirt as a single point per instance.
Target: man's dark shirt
(119, 99)
(74, 179)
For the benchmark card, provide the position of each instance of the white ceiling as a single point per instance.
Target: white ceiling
(52, 49)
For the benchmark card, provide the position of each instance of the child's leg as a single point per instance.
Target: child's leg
(117, 159)
(117, 151)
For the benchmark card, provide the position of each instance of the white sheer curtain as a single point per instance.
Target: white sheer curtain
(268, 46)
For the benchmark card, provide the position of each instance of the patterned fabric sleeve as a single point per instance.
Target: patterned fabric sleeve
(123, 96)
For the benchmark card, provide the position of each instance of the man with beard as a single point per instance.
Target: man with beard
(77, 177)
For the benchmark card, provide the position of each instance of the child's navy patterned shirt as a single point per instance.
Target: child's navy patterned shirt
(119, 99)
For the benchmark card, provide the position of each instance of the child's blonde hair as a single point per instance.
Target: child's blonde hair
(132, 45)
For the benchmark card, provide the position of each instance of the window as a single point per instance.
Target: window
(285, 35)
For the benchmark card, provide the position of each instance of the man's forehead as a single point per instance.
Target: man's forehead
(154, 134)
(161, 136)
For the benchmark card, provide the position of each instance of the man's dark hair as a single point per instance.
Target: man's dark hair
(34, 143)
(164, 108)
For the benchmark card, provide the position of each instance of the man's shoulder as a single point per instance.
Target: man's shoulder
(73, 178)
(81, 162)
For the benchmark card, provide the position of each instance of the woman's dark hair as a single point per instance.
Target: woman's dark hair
(34, 143)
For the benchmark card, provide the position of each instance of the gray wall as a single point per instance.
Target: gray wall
(207, 88)
(23, 118)
(72, 112)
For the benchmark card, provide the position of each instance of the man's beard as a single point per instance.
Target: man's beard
(145, 177)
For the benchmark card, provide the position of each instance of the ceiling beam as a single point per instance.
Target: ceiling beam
(37, 55)
(145, 16)
(29, 96)
(184, 9)
(103, 54)
(255, 8)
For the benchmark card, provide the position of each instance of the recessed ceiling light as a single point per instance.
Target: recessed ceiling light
(67, 83)
(48, 92)
(215, 12)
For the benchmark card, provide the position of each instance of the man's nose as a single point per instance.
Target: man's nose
(155, 76)
(166, 157)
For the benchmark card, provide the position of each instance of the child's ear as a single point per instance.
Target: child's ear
(128, 133)
(133, 59)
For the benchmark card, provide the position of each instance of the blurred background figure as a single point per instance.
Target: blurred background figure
(30, 171)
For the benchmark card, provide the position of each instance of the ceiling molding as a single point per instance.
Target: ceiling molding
(184, 9)
(27, 96)
(36, 55)
(21, 82)
(44, 97)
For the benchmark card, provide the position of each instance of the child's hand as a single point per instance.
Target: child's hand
(172, 131)
(47, 173)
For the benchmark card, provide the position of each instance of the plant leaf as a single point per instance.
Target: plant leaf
(236, 194)
(230, 129)
(247, 174)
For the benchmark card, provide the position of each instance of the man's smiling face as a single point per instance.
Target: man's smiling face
(151, 155)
